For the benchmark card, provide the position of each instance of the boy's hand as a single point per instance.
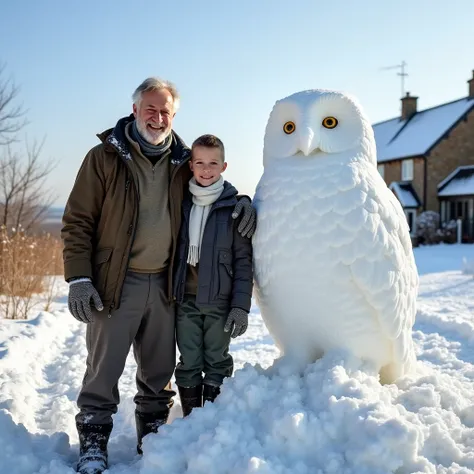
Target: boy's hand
(240, 319)
(248, 223)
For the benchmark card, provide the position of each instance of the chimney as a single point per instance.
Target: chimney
(408, 106)
(471, 86)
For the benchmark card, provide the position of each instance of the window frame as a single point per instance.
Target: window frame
(407, 174)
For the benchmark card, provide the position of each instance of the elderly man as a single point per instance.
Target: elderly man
(120, 231)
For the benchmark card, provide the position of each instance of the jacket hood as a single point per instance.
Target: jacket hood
(229, 192)
(115, 139)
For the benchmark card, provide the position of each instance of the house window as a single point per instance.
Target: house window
(411, 218)
(407, 170)
(381, 170)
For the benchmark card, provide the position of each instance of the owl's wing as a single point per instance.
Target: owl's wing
(383, 267)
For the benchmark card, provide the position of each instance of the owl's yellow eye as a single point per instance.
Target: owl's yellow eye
(330, 122)
(289, 127)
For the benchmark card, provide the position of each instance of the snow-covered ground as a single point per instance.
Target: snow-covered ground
(334, 418)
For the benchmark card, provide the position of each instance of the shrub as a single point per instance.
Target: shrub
(27, 264)
(427, 227)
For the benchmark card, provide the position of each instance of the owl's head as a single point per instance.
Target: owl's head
(317, 122)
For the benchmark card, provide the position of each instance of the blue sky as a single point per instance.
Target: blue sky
(77, 64)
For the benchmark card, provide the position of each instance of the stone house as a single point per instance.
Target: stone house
(427, 158)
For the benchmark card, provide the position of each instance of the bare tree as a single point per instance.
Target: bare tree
(12, 115)
(27, 260)
(24, 199)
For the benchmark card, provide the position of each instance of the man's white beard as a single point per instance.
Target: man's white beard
(152, 138)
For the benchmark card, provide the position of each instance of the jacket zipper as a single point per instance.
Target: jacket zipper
(212, 289)
(183, 269)
(129, 232)
(173, 237)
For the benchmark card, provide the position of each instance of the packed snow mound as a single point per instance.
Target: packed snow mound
(335, 417)
(332, 417)
(24, 453)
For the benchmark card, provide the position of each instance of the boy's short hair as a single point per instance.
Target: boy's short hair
(209, 141)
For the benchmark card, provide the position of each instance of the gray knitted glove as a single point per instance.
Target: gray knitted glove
(248, 223)
(79, 300)
(240, 319)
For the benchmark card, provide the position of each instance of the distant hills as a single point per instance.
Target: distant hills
(52, 223)
(54, 215)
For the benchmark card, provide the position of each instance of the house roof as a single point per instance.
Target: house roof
(396, 138)
(459, 183)
(406, 194)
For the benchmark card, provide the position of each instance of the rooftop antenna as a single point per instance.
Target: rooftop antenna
(402, 74)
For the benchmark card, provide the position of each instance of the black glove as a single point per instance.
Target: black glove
(79, 300)
(240, 319)
(248, 223)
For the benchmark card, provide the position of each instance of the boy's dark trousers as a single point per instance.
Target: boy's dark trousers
(203, 345)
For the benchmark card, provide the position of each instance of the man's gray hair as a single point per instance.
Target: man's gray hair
(156, 84)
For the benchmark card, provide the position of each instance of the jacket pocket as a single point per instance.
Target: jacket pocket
(101, 269)
(225, 273)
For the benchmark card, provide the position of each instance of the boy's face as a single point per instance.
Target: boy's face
(207, 165)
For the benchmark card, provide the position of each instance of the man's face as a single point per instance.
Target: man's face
(154, 115)
(207, 165)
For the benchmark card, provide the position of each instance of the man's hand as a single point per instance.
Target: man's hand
(248, 223)
(240, 319)
(79, 300)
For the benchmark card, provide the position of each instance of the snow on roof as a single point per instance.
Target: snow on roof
(398, 138)
(459, 183)
(406, 194)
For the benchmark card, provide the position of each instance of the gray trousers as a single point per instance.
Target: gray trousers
(147, 320)
(203, 345)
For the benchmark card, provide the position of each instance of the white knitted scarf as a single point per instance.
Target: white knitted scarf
(203, 198)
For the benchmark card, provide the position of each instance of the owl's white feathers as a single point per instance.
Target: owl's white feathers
(333, 260)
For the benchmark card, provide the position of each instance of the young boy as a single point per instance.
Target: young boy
(213, 278)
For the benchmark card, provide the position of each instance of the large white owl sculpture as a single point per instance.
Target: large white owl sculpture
(333, 260)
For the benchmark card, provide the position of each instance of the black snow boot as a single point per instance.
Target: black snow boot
(93, 441)
(148, 423)
(210, 393)
(191, 397)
